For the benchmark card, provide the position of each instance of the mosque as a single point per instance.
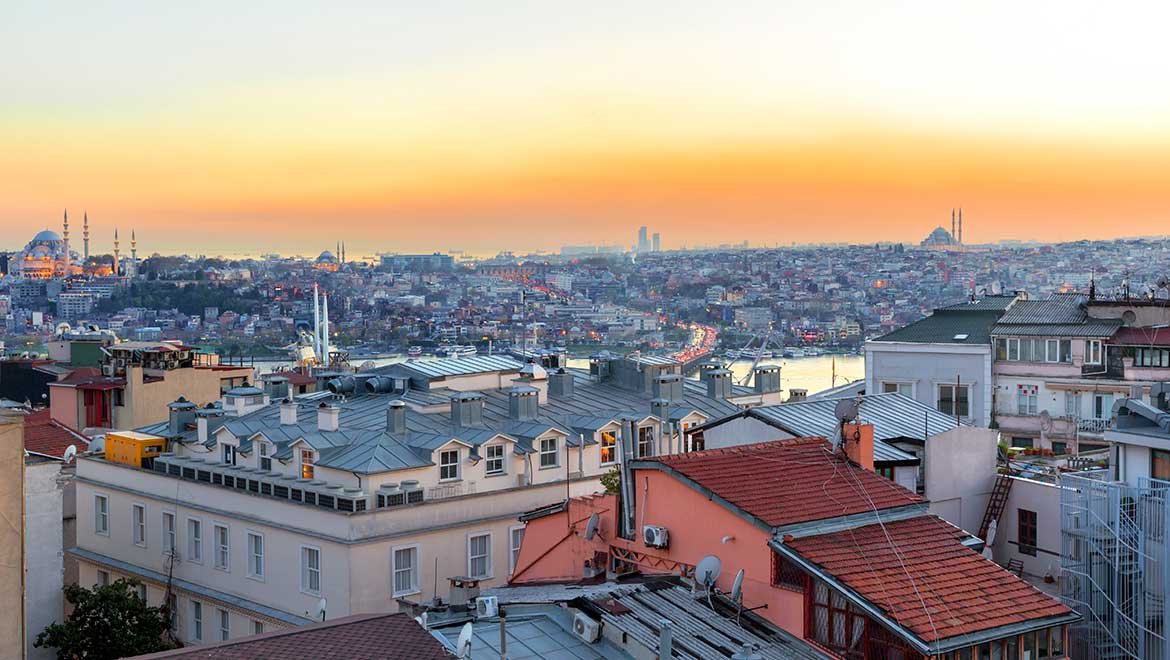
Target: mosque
(49, 255)
(941, 238)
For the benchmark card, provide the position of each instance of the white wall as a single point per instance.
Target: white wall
(44, 567)
(1044, 499)
(928, 365)
(960, 474)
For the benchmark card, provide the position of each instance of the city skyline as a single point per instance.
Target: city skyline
(418, 129)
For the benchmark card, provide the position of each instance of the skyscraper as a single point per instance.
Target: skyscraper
(643, 244)
(657, 240)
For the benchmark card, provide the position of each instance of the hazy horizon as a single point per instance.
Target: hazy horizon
(483, 127)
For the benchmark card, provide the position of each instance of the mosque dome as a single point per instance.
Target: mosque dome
(47, 235)
(326, 256)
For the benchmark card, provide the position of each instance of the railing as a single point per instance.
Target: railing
(446, 491)
(1093, 425)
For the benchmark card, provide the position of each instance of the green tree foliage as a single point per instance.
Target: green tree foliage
(189, 299)
(612, 481)
(107, 622)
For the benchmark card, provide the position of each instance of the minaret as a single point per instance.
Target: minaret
(65, 236)
(960, 226)
(343, 252)
(116, 265)
(133, 254)
(952, 223)
(85, 234)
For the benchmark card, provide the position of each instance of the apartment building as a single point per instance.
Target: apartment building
(373, 490)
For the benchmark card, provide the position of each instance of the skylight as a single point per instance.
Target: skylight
(961, 337)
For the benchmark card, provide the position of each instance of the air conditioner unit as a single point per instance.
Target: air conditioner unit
(586, 628)
(487, 606)
(655, 536)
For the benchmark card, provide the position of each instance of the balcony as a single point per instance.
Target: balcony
(1094, 425)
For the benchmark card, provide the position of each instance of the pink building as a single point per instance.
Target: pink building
(831, 552)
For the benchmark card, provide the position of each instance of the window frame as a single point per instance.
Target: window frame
(257, 627)
(226, 547)
(454, 466)
(307, 458)
(1013, 342)
(487, 556)
(102, 578)
(249, 569)
(1154, 462)
(225, 623)
(196, 621)
(544, 451)
(414, 569)
(138, 527)
(307, 571)
(646, 438)
(229, 454)
(898, 385)
(1027, 528)
(609, 447)
(263, 459)
(101, 514)
(954, 400)
(1027, 399)
(194, 540)
(489, 459)
(1094, 352)
(513, 549)
(170, 538)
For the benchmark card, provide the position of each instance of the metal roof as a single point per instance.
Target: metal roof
(534, 632)
(984, 304)
(1101, 328)
(662, 360)
(1061, 308)
(477, 364)
(945, 326)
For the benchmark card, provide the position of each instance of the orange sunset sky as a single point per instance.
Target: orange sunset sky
(231, 127)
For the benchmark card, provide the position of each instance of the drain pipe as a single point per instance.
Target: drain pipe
(665, 640)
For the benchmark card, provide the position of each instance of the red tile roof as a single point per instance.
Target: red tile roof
(45, 435)
(963, 592)
(789, 481)
(360, 637)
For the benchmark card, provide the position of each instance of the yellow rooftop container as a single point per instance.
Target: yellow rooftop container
(133, 448)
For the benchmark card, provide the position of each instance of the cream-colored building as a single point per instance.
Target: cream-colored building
(376, 490)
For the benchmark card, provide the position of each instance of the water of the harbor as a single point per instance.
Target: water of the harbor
(809, 373)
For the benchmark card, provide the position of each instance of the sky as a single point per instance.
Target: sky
(477, 126)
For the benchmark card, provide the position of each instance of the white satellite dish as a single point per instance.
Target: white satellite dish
(737, 587)
(463, 645)
(591, 527)
(322, 604)
(708, 571)
(70, 452)
(847, 410)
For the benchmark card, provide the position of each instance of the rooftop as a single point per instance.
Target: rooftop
(894, 417)
(45, 436)
(946, 326)
(785, 482)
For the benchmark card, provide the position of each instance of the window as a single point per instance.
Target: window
(225, 624)
(229, 455)
(194, 540)
(905, 389)
(1102, 406)
(168, 531)
(1001, 349)
(257, 627)
(1160, 464)
(885, 471)
(1151, 357)
(836, 623)
(196, 621)
(173, 611)
(479, 556)
(1013, 349)
(548, 452)
(1052, 350)
(786, 574)
(1093, 351)
(495, 459)
(449, 465)
(310, 569)
(608, 448)
(265, 459)
(1059, 448)
(306, 463)
(645, 441)
(1072, 404)
(1022, 442)
(404, 570)
(223, 550)
(141, 589)
(954, 400)
(1026, 399)
(103, 579)
(138, 519)
(1026, 523)
(255, 555)
(515, 538)
(101, 515)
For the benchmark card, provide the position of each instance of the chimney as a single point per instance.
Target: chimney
(396, 418)
(207, 420)
(718, 383)
(328, 417)
(560, 384)
(523, 403)
(660, 408)
(707, 367)
(767, 380)
(466, 409)
(277, 387)
(288, 412)
(858, 440)
(180, 413)
(669, 387)
(797, 394)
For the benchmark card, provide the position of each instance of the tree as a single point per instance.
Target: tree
(107, 622)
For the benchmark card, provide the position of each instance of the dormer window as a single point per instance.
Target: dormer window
(645, 441)
(449, 465)
(229, 455)
(608, 447)
(307, 459)
(548, 452)
(494, 455)
(262, 453)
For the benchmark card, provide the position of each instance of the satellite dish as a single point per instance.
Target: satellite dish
(591, 527)
(737, 587)
(708, 571)
(63, 328)
(70, 452)
(368, 365)
(847, 410)
(463, 645)
(322, 604)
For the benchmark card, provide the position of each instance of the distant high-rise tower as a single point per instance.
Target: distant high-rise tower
(643, 243)
(116, 264)
(65, 235)
(133, 254)
(85, 233)
(657, 240)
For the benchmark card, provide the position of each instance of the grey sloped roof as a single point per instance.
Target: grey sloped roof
(945, 325)
(894, 416)
(984, 304)
(1061, 308)
(379, 453)
(459, 366)
(1101, 328)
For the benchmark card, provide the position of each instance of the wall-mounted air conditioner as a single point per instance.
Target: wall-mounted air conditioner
(487, 606)
(586, 628)
(655, 536)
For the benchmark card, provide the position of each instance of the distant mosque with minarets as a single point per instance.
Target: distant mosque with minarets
(941, 238)
(49, 255)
